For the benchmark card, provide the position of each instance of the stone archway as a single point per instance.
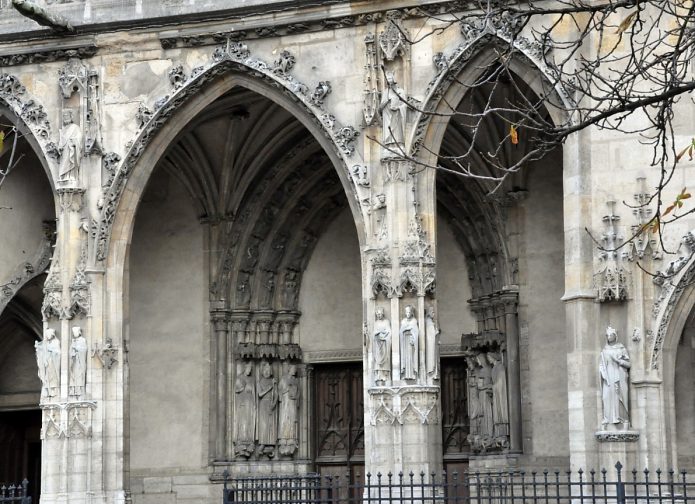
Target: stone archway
(494, 231)
(254, 192)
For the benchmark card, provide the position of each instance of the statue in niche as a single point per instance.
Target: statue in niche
(267, 420)
(484, 374)
(382, 348)
(409, 344)
(243, 290)
(290, 289)
(70, 146)
(245, 412)
(500, 409)
(614, 367)
(288, 438)
(379, 208)
(48, 360)
(393, 109)
(473, 405)
(432, 344)
(268, 289)
(78, 363)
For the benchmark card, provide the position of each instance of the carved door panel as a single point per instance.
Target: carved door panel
(339, 421)
(455, 424)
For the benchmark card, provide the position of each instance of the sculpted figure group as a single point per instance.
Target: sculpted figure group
(48, 362)
(409, 346)
(266, 412)
(488, 409)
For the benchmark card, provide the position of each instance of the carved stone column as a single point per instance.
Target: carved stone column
(402, 403)
(220, 322)
(510, 301)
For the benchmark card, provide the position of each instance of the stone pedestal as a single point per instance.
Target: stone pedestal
(404, 429)
(617, 446)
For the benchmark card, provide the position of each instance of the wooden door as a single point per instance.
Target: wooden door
(455, 426)
(339, 424)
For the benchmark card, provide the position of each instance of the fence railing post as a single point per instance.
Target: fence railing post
(620, 486)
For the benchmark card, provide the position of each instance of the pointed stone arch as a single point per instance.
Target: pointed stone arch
(231, 65)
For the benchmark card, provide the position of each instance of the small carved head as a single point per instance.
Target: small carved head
(611, 335)
(266, 370)
(493, 357)
(248, 367)
(409, 311)
(76, 332)
(67, 117)
(49, 334)
(292, 370)
(379, 314)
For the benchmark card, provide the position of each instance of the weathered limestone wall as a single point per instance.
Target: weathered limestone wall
(168, 347)
(330, 299)
(455, 317)
(26, 201)
(541, 316)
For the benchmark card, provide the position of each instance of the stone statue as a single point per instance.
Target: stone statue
(245, 412)
(432, 344)
(472, 395)
(288, 438)
(614, 366)
(267, 420)
(409, 344)
(382, 348)
(393, 109)
(48, 360)
(485, 401)
(500, 408)
(78, 363)
(71, 147)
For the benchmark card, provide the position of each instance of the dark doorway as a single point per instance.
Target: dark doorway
(20, 449)
(339, 421)
(455, 422)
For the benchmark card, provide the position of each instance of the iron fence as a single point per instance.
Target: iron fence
(15, 494)
(512, 487)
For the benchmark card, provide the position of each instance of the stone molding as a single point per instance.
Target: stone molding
(319, 356)
(232, 57)
(29, 269)
(48, 55)
(627, 436)
(404, 405)
(679, 274)
(67, 420)
(478, 33)
(339, 21)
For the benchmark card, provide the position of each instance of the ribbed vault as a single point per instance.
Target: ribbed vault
(267, 190)
(477, 215)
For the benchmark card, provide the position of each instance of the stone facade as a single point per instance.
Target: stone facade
(221, 209)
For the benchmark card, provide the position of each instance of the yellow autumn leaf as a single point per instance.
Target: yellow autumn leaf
(514, 134)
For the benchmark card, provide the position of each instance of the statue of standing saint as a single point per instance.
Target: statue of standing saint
(432, 344)
(409, 344)
(48, 360)
(245, 412)
(382, 348)
(485, 401)
(70, 146)
(614, 365)
(267, 419)
(473, 406)
(393, 109)
(78, 363)
(288, 438)
(500, 409)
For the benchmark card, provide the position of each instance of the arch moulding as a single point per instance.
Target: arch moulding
(231, 65)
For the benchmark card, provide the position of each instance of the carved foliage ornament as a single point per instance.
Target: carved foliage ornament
(232, 56)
